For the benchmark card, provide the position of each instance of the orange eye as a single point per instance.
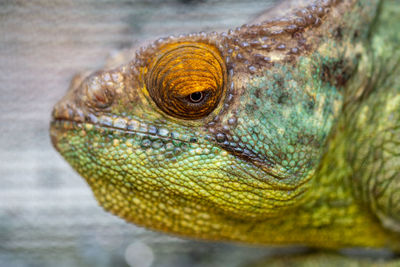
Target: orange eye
(187, 80)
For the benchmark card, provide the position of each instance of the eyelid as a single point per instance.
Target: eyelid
(183, 70)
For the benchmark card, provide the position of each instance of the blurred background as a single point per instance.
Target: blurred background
(48, 216)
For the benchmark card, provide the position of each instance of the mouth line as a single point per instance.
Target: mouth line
(65, 124)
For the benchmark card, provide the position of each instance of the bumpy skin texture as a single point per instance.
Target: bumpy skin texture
(280, 132)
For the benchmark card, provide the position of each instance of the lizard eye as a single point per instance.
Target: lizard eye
(187, 80)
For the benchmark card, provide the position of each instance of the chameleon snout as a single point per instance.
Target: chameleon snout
(88, 96)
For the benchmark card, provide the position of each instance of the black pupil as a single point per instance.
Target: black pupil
(196, 97)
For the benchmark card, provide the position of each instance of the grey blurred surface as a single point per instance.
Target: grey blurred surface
(48, 216)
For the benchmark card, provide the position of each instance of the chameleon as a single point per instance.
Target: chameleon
(284, 131)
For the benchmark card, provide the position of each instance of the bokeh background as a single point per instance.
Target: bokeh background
(48, 216)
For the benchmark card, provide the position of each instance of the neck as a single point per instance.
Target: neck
(349, 163)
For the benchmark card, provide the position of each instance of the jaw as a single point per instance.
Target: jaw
(172, 165)
(208, 201)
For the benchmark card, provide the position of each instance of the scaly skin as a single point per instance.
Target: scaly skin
(282, 132)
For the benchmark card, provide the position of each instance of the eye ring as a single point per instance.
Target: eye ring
(187, 80)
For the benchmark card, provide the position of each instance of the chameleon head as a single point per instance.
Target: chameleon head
(185, 140)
